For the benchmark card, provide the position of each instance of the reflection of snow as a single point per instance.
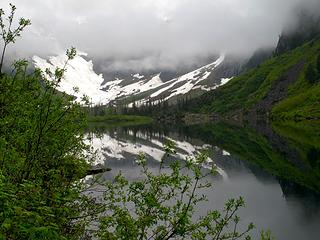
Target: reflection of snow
(225, 153)
(112, 147)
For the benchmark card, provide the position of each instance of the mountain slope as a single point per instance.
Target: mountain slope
(135, 88)
(305, 28)
(281, 86)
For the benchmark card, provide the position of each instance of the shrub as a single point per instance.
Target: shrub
(8, 34)
(311, 74)
(41, 157)
(318, 65)
(163, 204)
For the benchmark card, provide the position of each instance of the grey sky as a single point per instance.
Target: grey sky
(147, 34)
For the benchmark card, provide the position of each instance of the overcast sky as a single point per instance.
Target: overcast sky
(146, 34)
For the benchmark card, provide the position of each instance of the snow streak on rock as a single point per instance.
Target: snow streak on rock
(80, 74)
(189, 81)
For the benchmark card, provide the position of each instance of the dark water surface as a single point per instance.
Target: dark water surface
(276, 169)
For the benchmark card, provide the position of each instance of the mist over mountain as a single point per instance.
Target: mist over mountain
(304, 27)
(167, 73)
(153, 36)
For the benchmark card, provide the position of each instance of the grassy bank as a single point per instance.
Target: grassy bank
(120, 120)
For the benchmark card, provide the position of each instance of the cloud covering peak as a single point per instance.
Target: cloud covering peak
(151, 33)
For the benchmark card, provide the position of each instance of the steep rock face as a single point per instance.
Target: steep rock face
(231, 66)
(304, 29)
(278, 91)
(257, 58)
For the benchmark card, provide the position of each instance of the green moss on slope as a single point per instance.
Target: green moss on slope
(245, 91)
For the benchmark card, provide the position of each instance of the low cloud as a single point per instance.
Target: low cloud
(151, 34)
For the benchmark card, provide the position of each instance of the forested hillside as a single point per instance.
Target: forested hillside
(285, 86)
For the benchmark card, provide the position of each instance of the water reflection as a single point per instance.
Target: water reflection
(278, 175)
(126, 144)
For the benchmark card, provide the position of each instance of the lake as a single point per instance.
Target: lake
(275, 168)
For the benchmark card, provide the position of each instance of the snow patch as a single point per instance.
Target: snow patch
(225, 153)
(225, 80)
(137, 75)
(190, 80)
(79, 74)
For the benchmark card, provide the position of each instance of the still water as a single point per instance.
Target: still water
(276, 169)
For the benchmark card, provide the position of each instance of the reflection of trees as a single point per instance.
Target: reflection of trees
(265, 148)
(261, 149)
(313, 156)
(307, 199)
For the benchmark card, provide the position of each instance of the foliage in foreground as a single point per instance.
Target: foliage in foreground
(42, 162)
(7, 33)
(41, 159)
(163, 205)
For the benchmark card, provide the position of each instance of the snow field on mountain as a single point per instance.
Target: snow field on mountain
(80, 75)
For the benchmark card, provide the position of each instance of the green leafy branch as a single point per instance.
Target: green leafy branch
(8, 34)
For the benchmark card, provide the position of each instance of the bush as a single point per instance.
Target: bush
(311, 74)
(318, 65)
(163, 204)
(8, 34)
(41, 157)
(41, 145)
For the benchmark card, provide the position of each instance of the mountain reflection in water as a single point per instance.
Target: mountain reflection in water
(278, 175)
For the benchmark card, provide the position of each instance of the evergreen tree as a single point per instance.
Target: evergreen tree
(318, 65)
(311, 75)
